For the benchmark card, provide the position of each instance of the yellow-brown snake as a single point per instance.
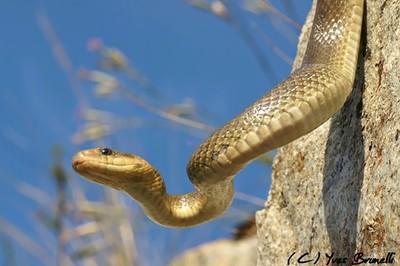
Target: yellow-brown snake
(298, 105)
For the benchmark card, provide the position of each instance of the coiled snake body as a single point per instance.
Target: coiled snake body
(306, 99)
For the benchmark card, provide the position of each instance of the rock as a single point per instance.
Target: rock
(337, 190)
(226, 252)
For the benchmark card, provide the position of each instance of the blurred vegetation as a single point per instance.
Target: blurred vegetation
(100, 232)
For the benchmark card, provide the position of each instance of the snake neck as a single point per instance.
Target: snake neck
(181, 210)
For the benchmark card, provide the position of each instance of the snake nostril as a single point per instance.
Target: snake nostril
(105, 151)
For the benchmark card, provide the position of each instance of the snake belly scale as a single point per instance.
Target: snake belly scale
(295, 107)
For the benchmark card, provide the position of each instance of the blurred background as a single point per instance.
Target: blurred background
(152, 78)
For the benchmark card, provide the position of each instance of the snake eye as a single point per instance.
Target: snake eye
(105, 151)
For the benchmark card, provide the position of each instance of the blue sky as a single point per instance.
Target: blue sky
(186, 53)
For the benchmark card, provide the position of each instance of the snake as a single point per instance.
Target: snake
(308, 97)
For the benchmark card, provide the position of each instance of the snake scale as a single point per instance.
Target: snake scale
(295, 107)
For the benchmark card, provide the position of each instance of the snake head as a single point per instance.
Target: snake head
(111, 168)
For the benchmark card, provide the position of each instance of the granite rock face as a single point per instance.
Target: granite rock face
(337, 190)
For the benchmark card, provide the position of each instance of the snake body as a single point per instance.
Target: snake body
(295, 107)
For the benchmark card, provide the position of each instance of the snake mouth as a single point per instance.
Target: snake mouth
(93, 171)
(94, 176)
(83, 167)
(76, 163)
